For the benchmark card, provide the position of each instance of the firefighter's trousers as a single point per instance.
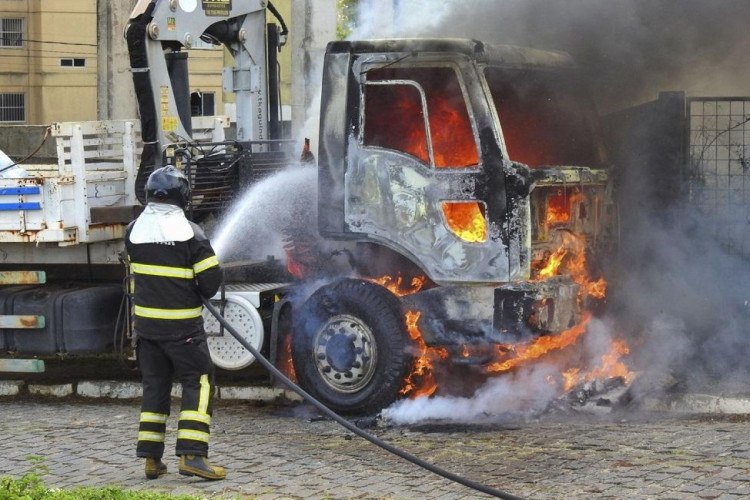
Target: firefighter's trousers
(188, 361)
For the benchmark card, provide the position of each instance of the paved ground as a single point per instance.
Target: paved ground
(276, 451)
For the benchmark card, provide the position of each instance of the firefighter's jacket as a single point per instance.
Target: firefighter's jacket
(173, 266)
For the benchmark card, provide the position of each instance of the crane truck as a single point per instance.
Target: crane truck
(452, 165)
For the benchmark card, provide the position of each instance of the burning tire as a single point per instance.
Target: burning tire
(350, 346)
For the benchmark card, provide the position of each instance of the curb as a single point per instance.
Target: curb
(701, 403)
(109, 389)
(117, 390)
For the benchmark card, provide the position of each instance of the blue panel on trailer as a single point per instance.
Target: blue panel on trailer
(20, 190)
(20, 206)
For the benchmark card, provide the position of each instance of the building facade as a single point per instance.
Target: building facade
(48, 60)
(67, 61)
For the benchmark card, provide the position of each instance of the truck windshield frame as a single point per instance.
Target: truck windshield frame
(544, 118)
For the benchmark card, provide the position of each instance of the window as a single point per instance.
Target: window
(11, 32)
(12, 108)
(545, 118)
(396, 102)
(73, 63)
(202, 103)
(395, 119)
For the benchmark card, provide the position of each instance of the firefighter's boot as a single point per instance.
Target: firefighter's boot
(155, 468)
(194, 465)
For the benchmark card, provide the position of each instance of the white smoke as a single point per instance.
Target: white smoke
(378, 19)
(526, 391)
(522, 392)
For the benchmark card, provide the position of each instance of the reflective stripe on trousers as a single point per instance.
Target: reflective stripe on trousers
(194, 425)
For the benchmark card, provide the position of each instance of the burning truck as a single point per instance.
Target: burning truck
(462, 195)
(467, 185)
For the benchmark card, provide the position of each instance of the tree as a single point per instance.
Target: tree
(347, 10)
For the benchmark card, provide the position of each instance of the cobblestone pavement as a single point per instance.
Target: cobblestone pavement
(275, 452)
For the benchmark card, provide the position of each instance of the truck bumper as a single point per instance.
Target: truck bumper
(466, 315)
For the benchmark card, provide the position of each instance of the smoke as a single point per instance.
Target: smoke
(677, 291)
(525, 392)
(520, 393)
(628, 50)
(685, 297)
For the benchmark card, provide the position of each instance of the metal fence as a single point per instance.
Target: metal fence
(719, 177)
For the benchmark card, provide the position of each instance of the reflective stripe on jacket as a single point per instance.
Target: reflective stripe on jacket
(170, 279)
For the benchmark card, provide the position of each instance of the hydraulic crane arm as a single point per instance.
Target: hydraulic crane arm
(157, 33)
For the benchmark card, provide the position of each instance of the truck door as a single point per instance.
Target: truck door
(417, 180)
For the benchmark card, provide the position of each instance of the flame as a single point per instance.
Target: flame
(570, 259)
(524, 353)
(597, 289)
(421, 381)
(285, 363)
(452, 136)
(551, 268)
(466, 220)
(560, 206)
(610, 366)
(570, 378)
(295, 268)
(394, 116)
(395, 285)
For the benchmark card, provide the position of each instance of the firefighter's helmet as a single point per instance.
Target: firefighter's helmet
(168, 185)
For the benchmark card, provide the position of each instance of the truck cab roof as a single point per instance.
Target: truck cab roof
(494, 54)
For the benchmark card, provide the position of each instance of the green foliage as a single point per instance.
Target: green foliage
(347, 10)
(32, 487)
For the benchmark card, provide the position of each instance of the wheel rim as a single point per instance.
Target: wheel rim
(345, 353)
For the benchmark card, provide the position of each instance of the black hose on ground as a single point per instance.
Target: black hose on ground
(348, 425)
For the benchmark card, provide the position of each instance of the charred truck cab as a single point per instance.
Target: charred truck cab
(460, 168)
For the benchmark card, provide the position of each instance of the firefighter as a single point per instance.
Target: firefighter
(173, 266)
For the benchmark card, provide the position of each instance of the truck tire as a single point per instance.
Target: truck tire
(350, 346)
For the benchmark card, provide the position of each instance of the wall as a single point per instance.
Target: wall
(103, 88)
(313, 25)
(18, 141)
(54, 30)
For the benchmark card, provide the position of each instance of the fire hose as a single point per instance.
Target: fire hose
(348, 425)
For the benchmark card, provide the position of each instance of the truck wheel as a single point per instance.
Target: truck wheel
(350, 347)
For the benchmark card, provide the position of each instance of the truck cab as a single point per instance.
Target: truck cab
(464, 168)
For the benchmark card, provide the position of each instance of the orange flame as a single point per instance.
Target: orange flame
(609, 366)
(560, 206)
(466, 220)
(394, 285)
(285, 364)
(524, 353)
(570, 259)
(394, 116)
(421, 381)
(553, 264)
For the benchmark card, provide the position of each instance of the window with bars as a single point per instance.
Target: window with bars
(11, 32)
(73, 63)
(12, 107)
